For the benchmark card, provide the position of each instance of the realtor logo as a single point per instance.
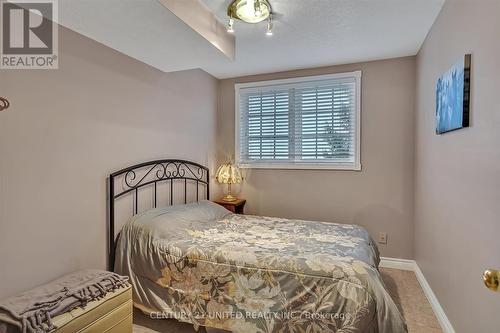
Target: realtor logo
(29, 38)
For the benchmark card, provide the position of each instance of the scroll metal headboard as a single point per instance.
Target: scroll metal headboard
(131, 180)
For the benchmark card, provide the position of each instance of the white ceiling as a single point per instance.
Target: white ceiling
(307, 33)
(142, 29)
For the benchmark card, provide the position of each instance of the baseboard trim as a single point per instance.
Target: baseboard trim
(411, 265)
(436, 306)
(403, 264)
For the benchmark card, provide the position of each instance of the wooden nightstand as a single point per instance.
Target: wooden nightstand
(234, 206)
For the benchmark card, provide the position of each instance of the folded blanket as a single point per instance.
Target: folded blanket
(32, 310)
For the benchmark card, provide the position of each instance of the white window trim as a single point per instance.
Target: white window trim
(300, 165)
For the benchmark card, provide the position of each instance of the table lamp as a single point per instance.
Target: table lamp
(228, 173)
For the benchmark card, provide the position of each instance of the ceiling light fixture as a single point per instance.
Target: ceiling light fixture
(250, 11)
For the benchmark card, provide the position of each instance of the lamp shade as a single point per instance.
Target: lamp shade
(228, 174)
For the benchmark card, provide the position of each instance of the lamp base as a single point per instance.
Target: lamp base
(228, 197)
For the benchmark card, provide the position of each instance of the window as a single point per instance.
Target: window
(310, 122)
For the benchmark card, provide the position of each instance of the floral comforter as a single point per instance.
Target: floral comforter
(201, 264)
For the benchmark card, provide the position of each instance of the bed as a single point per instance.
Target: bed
(197, 262)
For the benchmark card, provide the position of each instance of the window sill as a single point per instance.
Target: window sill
(302, 166)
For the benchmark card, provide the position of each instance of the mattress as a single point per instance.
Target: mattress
(203, 265)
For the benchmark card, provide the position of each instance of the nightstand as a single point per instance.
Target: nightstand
(235, 206)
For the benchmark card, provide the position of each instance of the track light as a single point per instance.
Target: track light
(270, 26)
(230, 25)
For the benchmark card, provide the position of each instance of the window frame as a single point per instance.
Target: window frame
(327, 165)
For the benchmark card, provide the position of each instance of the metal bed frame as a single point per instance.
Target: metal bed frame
(149, 174)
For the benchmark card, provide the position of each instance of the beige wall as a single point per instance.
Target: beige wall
(457, 220)
(380, 197)
(66, 130)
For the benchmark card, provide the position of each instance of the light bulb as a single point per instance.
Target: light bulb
(230, 25)
(269, 27)
(257, 9)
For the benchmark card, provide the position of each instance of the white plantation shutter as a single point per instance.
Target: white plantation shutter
(310, 122)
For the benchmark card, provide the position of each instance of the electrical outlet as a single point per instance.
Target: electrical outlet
(382, 237)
